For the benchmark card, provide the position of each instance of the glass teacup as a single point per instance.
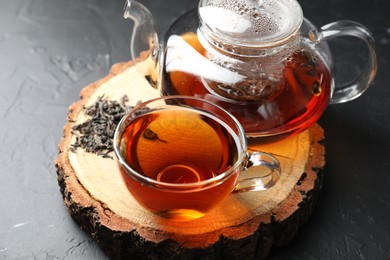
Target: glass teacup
(181, 156)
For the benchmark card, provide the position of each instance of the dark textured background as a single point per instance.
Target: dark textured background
(51, 49)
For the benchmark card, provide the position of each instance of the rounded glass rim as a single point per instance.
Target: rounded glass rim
(242, 149)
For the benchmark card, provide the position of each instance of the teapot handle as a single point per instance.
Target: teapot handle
(349, 91)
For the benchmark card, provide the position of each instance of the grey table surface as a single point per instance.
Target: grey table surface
(51, 49)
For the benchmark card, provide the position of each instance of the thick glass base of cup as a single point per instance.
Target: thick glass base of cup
(178, 206)
(181, 214)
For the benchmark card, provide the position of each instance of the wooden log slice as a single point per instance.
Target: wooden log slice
(244, 226)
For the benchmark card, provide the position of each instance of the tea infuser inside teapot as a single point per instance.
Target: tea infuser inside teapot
(260, 60)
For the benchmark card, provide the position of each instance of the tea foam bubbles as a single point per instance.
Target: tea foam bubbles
(261, 20)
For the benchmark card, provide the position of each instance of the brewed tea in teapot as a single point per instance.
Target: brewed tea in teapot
(260, 60)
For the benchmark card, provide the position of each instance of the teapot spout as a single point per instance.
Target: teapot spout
(144, 40)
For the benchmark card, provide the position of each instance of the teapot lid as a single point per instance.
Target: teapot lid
(250, 23)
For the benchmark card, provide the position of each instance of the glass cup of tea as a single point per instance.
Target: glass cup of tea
(181, 156)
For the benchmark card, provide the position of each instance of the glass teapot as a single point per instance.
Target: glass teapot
(261, 60)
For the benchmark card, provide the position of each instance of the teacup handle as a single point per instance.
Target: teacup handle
(330, 31)
(261, 172)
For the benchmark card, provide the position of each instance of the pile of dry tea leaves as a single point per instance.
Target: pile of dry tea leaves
(96, 134)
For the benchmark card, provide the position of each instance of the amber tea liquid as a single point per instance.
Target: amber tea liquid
(304, 93)
(179, 146)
